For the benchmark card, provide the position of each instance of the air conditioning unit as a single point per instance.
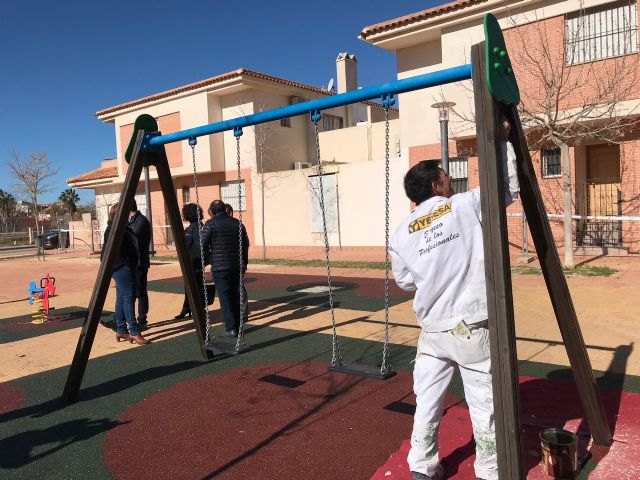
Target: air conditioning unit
(301, 165)
(293, 100)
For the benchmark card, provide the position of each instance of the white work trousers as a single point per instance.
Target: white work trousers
(437, 356)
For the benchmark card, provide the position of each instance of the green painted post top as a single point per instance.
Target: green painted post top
(143, 122)
(501, 80)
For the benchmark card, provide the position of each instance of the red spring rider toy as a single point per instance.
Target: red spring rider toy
(39, 298)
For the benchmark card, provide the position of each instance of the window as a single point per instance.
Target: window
(285, 122)
(602, 32)
(330, 197)
(186, 195)
(551, 162)
(229, 194)
(331, 122)
(459, 171)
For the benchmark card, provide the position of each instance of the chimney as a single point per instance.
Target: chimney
(347, 71)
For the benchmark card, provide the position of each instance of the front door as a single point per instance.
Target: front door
(603, 196)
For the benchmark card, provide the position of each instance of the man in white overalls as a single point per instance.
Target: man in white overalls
(437, 251)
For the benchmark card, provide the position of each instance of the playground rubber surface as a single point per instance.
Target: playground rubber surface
(159, 412)
(13, 329)
(364, 294)
(275, 412)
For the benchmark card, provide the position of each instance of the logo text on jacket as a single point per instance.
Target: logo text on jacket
(426, 221)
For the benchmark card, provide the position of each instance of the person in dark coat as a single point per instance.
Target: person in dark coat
(141, 228)
(124, 274)
(245, 297)
(220, 237)
(191, 213)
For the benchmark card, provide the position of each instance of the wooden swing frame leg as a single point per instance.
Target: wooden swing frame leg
(87, 335)
(498, 278)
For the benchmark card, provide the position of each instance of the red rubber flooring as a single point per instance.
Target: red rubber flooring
(232, 425)
(299, 421)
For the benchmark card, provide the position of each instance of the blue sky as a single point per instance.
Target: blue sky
(63, 61)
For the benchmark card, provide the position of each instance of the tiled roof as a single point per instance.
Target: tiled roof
(211, 81)
(219, 79)
(96, 174)
(416, 17)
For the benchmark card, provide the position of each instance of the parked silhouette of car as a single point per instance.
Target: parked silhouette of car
(51, 239)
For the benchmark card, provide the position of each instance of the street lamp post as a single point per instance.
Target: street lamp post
(443, 117)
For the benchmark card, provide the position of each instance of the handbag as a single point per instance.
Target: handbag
(211, 292)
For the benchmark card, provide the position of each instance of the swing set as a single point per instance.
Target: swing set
(496, 94)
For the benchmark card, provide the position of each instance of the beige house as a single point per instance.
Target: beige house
(577, 67)
(278, 178)
(581, 41)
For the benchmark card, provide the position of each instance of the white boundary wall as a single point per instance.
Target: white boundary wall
(361, 205)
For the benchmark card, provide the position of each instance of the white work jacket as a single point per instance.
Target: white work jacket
(438, 252)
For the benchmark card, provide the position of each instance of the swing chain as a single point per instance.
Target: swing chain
(336, 354)
(240, 342)
(208, 336)
(385, 367)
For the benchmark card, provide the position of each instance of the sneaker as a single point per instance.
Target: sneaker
(231, 333)
(437, 475)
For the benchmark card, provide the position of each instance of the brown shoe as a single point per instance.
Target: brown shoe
(122, 337)
(139, 339)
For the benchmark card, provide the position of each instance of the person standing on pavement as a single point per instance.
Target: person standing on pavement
(245, 297)
(437, 251)
(220, 237)
(141, 228)
(191, 213)
(124, 273)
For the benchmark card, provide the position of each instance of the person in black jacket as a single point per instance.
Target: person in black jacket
(220, 236)
(141, 228)
(245, 297)
(124, 268)
(190, 213)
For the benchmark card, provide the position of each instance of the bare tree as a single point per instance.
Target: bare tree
(32, 178)
(575, 87)
(268, 157)
(265, 134)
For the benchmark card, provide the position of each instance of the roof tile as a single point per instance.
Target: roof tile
(416, 17)
(218, 79)
(96, 174)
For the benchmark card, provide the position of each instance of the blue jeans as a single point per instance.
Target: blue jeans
(141, 294)
(125, 315)
(228, 289)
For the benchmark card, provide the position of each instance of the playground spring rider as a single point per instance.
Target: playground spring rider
(39, 298)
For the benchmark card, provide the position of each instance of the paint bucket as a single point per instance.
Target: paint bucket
(559, 453)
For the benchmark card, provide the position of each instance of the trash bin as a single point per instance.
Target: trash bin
(64, 239)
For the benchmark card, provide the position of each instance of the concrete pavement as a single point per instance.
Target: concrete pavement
(607, 309)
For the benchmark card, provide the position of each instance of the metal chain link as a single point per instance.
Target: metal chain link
(208, 337)
(385, 366)
(336, 354)
(240, 342)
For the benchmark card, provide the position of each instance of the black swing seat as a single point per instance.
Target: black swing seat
(362, 370)
(221, 346)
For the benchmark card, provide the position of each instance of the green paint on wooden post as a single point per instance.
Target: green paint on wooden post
(501, 80)
(143, 122)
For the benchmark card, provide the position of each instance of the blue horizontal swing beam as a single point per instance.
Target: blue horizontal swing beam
(153, 141)
(433, 79)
